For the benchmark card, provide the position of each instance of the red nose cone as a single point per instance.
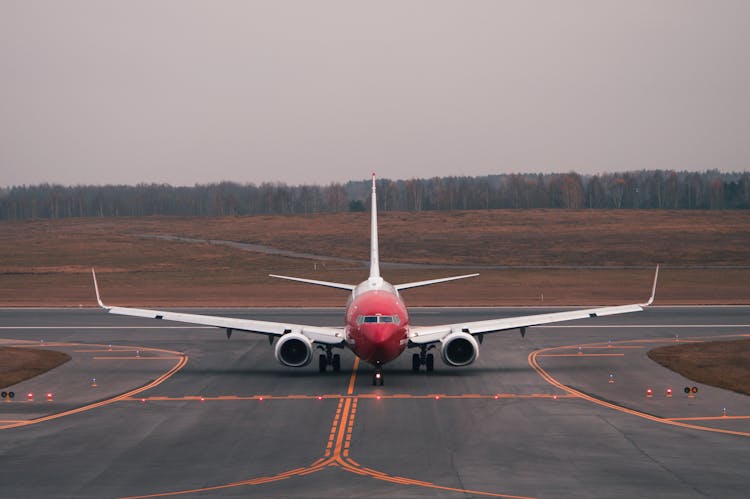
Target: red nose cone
(380, 343)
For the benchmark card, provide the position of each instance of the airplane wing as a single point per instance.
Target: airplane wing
(432, 334)
(325, 335)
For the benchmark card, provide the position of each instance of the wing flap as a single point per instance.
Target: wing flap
(325, 335)
(431, 334)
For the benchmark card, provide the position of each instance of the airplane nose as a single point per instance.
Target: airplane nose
(380, 334)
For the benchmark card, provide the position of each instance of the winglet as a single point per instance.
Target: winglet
(96, 288)
(653, 289)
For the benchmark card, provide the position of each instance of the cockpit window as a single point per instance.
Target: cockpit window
(375, 319)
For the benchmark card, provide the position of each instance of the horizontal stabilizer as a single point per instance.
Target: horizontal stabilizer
(409, 285)
(337, 285)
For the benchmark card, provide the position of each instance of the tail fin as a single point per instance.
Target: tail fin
(374, 257)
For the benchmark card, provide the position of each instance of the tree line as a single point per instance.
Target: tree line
(656, 189)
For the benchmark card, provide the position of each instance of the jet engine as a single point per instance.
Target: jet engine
(459, 349)
(294, 350)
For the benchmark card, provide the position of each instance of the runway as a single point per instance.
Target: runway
(184, 412)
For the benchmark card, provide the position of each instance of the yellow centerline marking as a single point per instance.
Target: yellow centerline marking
(183, 359)
(709, 418)
(532, 360)
(338, 444)
(368, 396)
(350, 390)
(582, 355)
(136, 358)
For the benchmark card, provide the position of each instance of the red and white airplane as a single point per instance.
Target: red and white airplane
(377, 326)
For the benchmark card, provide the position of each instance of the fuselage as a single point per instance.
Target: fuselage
(377, 322)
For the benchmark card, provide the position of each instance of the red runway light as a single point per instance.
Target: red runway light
(320, 398)
(649, 392)
(30, 397)
(49, 397)
(378, 397)
(669, 392)
(437, 397)
(143, 401)
(260, 398)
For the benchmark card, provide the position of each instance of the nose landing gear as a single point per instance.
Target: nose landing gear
(377, 377)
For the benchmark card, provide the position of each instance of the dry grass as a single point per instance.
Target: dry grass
(724, 364)
(19, 364)
(47, 262)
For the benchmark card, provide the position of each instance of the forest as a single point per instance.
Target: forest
(654, 189)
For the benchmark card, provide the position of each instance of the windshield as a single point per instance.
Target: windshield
(378, 319)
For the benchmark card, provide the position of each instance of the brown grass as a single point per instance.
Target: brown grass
(19, 364)
(724, 364)
(47, 262)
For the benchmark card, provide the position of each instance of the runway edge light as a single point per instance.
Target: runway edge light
(669, 392)
(649, 392)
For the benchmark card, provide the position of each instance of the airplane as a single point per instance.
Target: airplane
(376, 327)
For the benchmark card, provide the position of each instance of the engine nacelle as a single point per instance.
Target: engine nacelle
(294, 350)
(459, 349)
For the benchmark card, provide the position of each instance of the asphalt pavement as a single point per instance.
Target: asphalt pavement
(183, 411)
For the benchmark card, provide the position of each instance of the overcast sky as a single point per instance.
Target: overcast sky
(189, 92)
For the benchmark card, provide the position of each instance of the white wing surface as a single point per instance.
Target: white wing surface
(432, 334)
(325, 335)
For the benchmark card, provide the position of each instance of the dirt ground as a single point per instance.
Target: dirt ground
(538, 257)
(724, 364)
(18, 364)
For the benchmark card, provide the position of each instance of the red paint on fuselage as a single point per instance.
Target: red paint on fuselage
(381, 342)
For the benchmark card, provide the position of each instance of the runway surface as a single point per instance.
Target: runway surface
(183, 412)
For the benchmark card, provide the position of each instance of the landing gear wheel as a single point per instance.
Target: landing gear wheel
(415, 363)
(322, 363)
(336, 363)
(430, 363)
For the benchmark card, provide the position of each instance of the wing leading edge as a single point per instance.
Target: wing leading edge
(432, 334)
(324, 335)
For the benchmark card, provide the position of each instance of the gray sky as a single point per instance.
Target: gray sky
(186, 92)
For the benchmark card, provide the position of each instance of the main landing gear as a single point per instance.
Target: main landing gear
(377, 377)
(422, 359)
(329, 359)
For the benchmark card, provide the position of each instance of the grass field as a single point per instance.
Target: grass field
(724, 364)
(18, 364)
(548, 257)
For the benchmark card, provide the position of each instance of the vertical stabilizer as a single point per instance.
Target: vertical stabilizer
(374, 258)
